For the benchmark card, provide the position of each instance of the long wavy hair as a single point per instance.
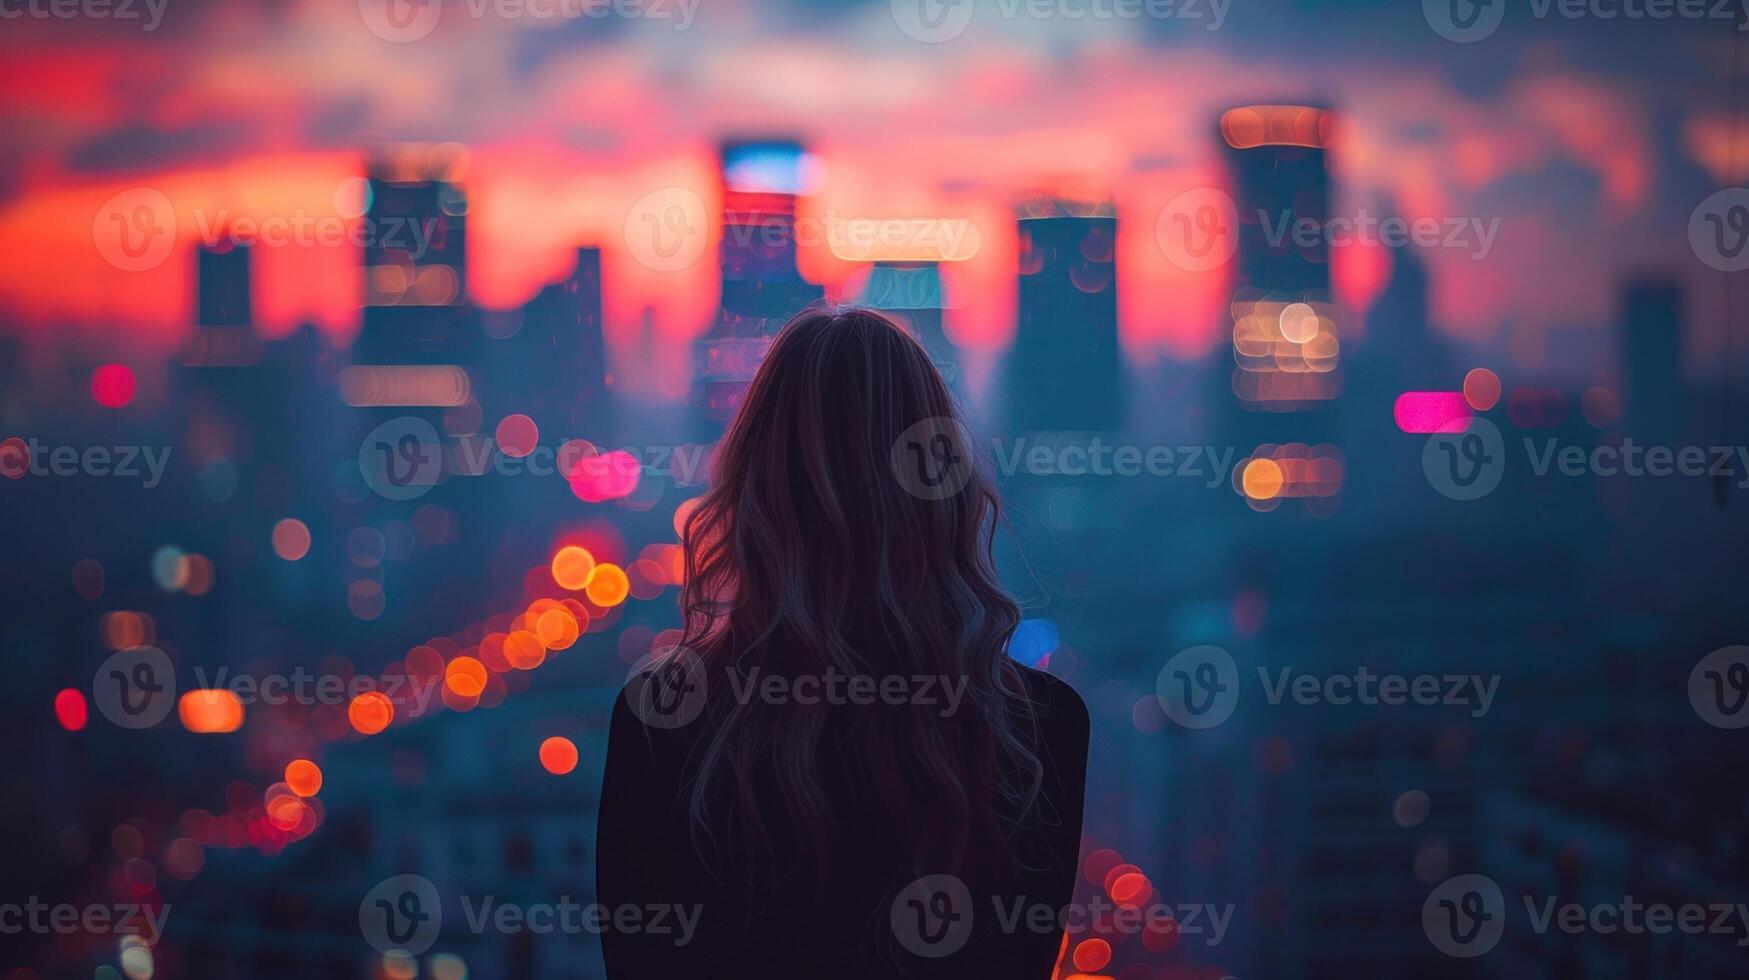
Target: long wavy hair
(811, 551)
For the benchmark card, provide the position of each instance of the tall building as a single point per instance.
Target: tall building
(415, 261)
(1065, 370)
(911, 292)
(1653, 396)
(762, 182)
(224, 332)
(554, 367)
(1286, 346)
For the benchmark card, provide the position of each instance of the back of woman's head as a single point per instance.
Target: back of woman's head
(847, 535)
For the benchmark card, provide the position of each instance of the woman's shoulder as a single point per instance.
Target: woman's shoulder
(1057, 705)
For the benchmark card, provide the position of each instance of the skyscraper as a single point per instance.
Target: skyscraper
(1285, 344)
(556, 363)
(762, 181)
(1065, 369)
(912, 293)
(415, 261)
(1653, 396)
(1286, 347)
(224, 333)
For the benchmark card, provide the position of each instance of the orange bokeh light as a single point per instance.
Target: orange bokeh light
(558, 755)
(557, 628)
(1262, 479)
(524, 650)
(210, 712)
(1092, 954)
(608, 586)
(370, 712)
(304, 777)
(466, 676)
(572, 566)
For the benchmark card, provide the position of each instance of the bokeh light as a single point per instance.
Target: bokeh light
(291, 539)
(304, 777)
(558, 755)
(370, 712)
(572, 566)
(112, 385)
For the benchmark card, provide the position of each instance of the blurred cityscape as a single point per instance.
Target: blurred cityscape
(463, 510)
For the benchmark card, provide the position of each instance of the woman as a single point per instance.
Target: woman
(840, 773)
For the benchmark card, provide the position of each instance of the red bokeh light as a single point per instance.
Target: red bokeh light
(112, 385)
(70, 710)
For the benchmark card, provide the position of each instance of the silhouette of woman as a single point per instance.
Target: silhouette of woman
(839, 772)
